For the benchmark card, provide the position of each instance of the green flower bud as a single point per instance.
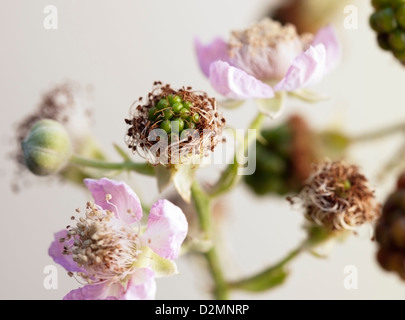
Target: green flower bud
(47, 148)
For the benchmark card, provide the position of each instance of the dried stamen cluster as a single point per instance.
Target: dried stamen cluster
(338, 197)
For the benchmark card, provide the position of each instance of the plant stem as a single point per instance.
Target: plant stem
(268, 278)
(277, 274)
(229, 177)
(202, 205)
(378, 134)
(142, 168)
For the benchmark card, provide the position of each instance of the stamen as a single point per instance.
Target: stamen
(102, 245)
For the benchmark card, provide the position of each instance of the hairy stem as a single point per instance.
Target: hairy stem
(142, 168)
(203, 208)
(378, 134)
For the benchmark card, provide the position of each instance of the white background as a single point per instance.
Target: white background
(121, 48)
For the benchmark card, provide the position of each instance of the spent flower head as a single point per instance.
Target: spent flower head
(338, 197)
(111, 252)
(174, 126)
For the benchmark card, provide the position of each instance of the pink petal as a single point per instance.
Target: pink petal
(55, 251)
(307, 69)
(235, 83)
(124, 202)
(104, 291)
(207, 54)
(166, 229)
(141, 286)
(327, 36)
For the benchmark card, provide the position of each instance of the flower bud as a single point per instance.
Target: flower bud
(47, 148)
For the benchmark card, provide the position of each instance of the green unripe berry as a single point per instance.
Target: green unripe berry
(396, 40)
(173, 99)
(168, 114)
(383, 20)
(400, 55)
(177, 107)
(187, 104)
(397, 3)
(152, 115)
(166, 126)
(162, 104)
(47, 148)
(195, 118)
(381, 3)
(184, 113)
(400, 15)
(189, 125)
(382, 39)
(177, 125)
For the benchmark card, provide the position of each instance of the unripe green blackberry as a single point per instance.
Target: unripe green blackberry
(388, 21)
(283, 159)
(390, 231)
(174, 111)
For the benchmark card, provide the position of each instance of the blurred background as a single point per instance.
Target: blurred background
(119, 49)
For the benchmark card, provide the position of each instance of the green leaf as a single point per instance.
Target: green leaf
(308, 95)
(183, 178)
(273, 106)
(264, 281)
(231, 103)
(164, 176)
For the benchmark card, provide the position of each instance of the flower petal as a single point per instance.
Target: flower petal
(307, 68)
(141, 286)
(104, 291)
(235, 83)
(55, 251)
(166, 229)
(207, 54)
(327, 36)
(124, 202)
